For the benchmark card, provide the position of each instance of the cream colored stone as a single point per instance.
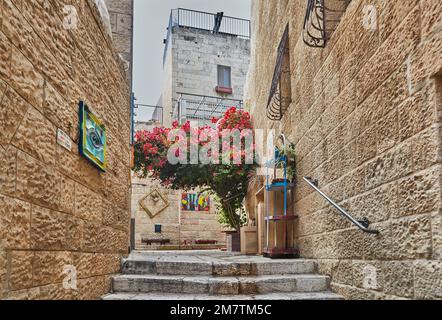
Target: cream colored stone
(12, 111)
(37, 182)
(20, 270)
(49, 267)
(48, 229)
(15, 223)
(36, 136)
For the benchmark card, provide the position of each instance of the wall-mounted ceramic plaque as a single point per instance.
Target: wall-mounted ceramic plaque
(93, 139)
(154, 203)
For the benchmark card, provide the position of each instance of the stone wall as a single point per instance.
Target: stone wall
(365, 117)
(180, 227)
(56, 210)
(121, 17)
(192, 64)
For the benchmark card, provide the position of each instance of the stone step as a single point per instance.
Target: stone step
(220, 285)
(202, 268)
(326, 295)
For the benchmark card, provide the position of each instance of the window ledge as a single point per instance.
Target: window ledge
(224, 90)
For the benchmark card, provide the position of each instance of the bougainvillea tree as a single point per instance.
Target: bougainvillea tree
(218, 159)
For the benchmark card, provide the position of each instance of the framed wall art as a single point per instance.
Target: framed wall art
(93, 139)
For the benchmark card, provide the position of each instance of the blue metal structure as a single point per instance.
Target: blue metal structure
(273, 217)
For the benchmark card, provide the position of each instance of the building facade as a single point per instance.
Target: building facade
(206, 59)
(61, 219)
(122, 24)
(361, 100)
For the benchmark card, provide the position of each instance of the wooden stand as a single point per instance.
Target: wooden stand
(279, 224)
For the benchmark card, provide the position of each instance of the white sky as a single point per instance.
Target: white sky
(150, 23)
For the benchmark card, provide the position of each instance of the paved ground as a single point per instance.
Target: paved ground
(214, 256)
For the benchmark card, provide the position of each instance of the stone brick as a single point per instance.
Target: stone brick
(15, 223)
(74, 233)
(411, 238)
(8, 169)
(49, 267)
(344, 273)
(54, 292)
(436, 227)
(48, 229)
(67, 195)
(36, 182)
(380, 204)
(425, 149)
(20, 272)
(419, 193)
(5, 57)
(390, 55)
(12, 111)
(393, 14)
(368, 275)
(431, 17)
(36, 136)
(88, 204)
(425, 61)
(90, 289)
(394, 164)
(428, 280)
(387, 132)
(417, 113)
(58, 111)
(379, 246)
(398, 278)
(3, 271)
(26, 80)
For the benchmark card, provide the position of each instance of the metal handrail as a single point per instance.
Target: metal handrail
(363, 225)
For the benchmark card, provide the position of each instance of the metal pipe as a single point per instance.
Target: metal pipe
(345, 213)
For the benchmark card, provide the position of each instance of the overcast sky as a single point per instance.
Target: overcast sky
(151, 21)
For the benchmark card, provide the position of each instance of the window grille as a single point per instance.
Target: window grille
(321, 20)
(281, 91)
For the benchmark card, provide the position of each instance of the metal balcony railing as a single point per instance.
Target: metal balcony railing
(321, 20)
(202, 109)
(199, 20)
(148, 113)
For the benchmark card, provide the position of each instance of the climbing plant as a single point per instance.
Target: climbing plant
(224, 176)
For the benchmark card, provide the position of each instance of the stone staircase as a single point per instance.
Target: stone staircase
(217, 276)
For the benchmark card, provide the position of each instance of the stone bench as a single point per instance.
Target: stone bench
(150, 242)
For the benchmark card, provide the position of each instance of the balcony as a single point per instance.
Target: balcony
(214, 23)
(148, 114)
(202, 109)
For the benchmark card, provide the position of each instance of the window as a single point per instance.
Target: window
(224, 77)
(158, 228)
(322, 19)
(280, 96)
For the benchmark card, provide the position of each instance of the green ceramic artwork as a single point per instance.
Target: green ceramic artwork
(93, 140)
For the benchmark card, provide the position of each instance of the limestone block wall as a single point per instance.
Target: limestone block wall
(56, 210)
(121, 17)
(365, 118)
(192, 64)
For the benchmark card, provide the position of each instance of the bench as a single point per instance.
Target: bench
(150, 242)
(198, 242)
